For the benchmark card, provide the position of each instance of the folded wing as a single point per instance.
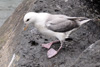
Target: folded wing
(61, 24)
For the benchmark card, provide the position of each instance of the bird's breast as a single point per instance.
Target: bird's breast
(45, 31)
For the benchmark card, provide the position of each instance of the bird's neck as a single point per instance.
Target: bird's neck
(41, 18)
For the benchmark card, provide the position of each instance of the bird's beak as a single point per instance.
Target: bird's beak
(25, 27)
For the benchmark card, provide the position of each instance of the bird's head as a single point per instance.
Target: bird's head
(29, 17)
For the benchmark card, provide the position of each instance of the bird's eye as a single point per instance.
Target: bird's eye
(27, 20)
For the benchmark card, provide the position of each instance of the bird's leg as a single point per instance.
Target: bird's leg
(48, 45)
(52, 52)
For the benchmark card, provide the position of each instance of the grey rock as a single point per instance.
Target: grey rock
(27, 44)
(82, 37)
(90, 57)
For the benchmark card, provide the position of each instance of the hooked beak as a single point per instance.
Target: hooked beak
(25, 27)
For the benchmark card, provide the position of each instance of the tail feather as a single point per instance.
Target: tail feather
(83, 21)
(79, 20)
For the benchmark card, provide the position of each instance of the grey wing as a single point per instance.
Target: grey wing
(61, 25)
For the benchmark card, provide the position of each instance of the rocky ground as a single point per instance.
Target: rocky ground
(75, 53)
(82, 51)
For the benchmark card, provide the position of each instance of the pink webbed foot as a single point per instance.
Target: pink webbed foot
(48, 45)
(51, 53)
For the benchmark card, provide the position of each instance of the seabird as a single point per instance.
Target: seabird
(53, 25)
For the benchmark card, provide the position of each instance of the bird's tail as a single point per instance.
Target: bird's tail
(83, 21)
(79, 20)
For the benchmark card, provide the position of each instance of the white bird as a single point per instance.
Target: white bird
(53, 25)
